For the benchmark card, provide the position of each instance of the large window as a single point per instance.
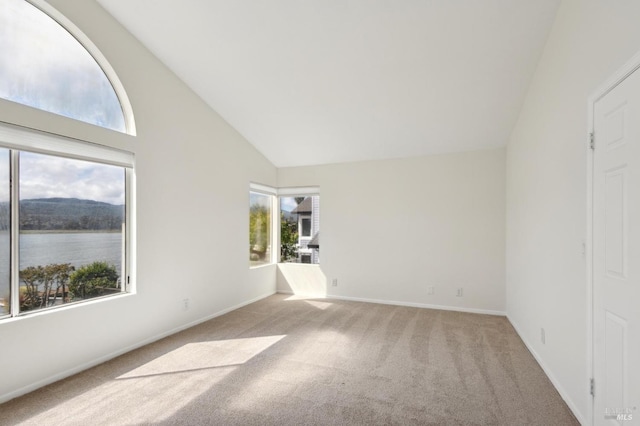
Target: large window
(260, 226)
(63, 203)
(63, 234)
(300, 229)
(43, 66)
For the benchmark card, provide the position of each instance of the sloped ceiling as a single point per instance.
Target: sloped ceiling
(327, 81)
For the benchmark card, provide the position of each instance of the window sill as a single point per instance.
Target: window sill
(261, 266)
(49, 311)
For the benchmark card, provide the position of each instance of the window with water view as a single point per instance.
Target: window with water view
(71, 231)
(62, 219)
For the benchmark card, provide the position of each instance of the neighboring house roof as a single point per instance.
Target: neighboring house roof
(304, 207)
(315, 241)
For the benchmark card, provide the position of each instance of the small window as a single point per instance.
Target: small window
(305, 227)
(260, 224)
(300, 229)
(43, 66)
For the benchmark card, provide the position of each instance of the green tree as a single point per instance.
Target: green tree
(59, 275)
(259, 224)
(93, 280)
(30, 297)
(43, 285)
(288, 239)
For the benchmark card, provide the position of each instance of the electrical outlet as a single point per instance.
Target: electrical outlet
(185, 304)
(334, 283)
(430, 290)
(459, 292)
(542, 336)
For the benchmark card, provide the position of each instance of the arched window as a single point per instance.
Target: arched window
(44, 66)
(65, 201)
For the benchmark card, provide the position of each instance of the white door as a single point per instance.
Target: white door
(616, 255)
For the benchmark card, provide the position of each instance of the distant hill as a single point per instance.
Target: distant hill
(68, 214)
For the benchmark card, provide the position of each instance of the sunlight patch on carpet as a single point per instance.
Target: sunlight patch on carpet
(319, 305)
(204, 355)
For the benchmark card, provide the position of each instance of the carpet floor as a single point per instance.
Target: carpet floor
(287, 360)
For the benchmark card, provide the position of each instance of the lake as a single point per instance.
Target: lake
(76, 248)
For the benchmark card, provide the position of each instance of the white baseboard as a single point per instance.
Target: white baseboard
(397, 303)
(563, 393)
(75, 370)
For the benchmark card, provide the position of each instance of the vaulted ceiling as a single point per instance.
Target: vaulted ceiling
(327, 81)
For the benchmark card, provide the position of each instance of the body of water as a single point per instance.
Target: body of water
(76, 248)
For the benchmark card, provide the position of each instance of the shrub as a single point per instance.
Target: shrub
(93, 280)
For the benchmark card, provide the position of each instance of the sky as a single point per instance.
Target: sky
(287, 203)
(43, 66)
(44, 176)
(259, 199)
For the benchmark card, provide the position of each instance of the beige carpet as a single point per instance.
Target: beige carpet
(291, 361)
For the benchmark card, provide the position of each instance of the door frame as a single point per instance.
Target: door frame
(614, 80)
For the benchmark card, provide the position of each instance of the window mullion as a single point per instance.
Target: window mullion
(15, 232)
(127, 249)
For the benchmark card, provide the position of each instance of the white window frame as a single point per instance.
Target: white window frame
(20, 139)
(92, 49)
(299, 191)
(275, 221)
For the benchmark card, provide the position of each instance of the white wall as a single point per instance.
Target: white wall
(301, 279)
(546, 187)
(392, 228)
(193, 173)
